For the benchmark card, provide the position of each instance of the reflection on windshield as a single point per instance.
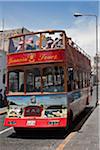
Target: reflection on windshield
(50, 79)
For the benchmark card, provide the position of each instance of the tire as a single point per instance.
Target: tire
(70, 119)
(87, 101)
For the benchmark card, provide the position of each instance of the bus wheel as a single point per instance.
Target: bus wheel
(70, 119)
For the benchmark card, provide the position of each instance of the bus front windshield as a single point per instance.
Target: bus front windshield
(47, 79)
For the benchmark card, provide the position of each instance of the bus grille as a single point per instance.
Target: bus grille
(33, 111)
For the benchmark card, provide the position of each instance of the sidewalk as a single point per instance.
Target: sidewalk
(3, 110)
(87, 138)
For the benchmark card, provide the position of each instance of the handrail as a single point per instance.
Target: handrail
(38, 32)
(73, 44)
(76, 46)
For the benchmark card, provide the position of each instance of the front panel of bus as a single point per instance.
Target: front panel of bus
(37, 98)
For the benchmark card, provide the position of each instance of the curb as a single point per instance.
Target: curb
(3, 110)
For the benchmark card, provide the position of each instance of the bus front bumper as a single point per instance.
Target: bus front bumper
(35, 123)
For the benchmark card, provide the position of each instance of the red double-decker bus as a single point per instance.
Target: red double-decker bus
(48, 80)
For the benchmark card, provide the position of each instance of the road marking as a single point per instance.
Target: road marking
(67, 139)
(1, 132)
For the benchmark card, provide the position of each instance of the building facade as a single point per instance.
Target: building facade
(4, 36)
(2, 70)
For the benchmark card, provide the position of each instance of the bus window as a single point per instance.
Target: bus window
(70, 82)
(80, 77)
(16, 81)
(33, 82)
(53, 79)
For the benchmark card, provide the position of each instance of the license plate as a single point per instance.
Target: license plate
(31, 122)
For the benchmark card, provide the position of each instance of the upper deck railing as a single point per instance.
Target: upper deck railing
(44, 40)
(37, 41)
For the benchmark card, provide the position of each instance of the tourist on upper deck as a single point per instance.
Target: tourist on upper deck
(61, 40)
(30, 44)
(55, 43)
(20, 46)
(58, 42)
(49, 42)
(37, 44)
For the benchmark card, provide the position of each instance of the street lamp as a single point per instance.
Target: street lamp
(96, 17)
(2, 33)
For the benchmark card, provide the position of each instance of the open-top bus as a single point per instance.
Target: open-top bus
(48, 80)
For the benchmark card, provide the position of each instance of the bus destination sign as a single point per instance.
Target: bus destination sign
(35, 57)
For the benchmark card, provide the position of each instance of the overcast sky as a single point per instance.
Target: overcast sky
(41, 15)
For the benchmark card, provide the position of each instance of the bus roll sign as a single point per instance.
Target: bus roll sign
(34, 57)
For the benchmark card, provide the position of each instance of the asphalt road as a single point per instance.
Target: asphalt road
(36, 140)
